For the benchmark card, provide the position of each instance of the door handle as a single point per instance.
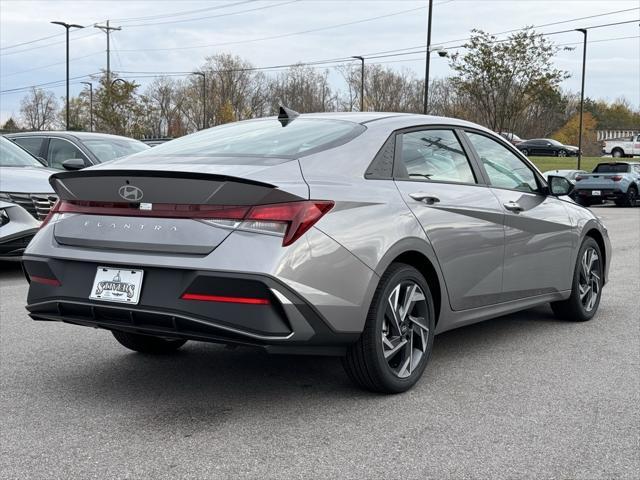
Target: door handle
(425, 198)
(513, 206)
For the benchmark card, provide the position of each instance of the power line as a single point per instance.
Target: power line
(81, 37)
(318, 63)
(46, 84)
(604, 14)
(124, 20)
(180, 13)
(51, 64)
(213, 16)
(370, 19)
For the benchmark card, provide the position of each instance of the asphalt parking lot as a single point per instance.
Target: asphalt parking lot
(522, 396)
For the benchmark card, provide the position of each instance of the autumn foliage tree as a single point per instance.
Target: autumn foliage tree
(569, 133)
(503, 78)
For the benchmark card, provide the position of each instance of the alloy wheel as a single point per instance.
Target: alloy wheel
(589, 282)
(562, 153)
(405, 331)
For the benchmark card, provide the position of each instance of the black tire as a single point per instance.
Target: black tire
(365, 362)
(573, 308)
(561, 153)
(525, 152)
(147, 343)
(583, 201)
(631, 199)
(617, 153)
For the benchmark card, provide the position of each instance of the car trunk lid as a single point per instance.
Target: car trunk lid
(166, 209)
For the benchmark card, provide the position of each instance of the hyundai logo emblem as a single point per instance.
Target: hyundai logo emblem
(130, 193)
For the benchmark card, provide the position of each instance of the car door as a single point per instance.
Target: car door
(61, 149)
(460, 216)
(538, 230)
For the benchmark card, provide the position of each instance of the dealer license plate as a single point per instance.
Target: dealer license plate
(117, 285)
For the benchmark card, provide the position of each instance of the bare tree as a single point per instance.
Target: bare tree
(162, 110)
(302, 89)
(38, 109)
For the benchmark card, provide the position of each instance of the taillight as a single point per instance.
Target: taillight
(291, 220)
(51, 213)
(616, 178)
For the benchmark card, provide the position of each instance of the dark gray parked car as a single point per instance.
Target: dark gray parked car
(77, 149)
(354, 234)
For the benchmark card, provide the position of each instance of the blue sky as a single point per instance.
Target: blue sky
(178, 35)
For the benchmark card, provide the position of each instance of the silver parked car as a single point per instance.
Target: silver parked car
(24, 180)
(17, 228)
(76, 150)
(352, 234)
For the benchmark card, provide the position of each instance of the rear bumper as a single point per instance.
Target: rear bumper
(605, 194)
(286, 324)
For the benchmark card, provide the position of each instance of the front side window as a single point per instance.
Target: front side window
(435, 155)
(504, 168)
(61, 150)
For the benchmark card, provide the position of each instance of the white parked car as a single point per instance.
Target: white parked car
(622, 147)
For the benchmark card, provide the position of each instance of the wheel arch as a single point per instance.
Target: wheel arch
(599, 239)
(426, 268)
(620, 149)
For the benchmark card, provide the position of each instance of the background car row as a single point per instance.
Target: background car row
(76, 150)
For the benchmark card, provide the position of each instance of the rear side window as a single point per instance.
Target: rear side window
(31, 144)
(435, 155)
(612, 168)
(258, 138)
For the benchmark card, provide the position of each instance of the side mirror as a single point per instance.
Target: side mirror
(73, 164)
(559, 186)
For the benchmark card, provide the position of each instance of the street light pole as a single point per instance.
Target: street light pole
(204, 98)
(67, 26)
(584, 64)
(357, 57)
(428, 59)
(90, 104)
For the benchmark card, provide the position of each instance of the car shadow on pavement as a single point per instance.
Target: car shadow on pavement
(210, 381)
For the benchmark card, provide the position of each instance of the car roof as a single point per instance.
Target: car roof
(68, 134)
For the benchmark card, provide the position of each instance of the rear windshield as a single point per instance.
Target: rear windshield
(612, 168)
(258, 138)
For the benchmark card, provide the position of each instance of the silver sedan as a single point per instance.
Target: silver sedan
(354, 234)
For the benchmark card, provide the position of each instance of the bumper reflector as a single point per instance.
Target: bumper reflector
(224, 299)
(54, 282)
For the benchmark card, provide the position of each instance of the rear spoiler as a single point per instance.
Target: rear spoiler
(153, 186)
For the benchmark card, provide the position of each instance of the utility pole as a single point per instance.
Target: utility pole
(67, 26)
(357, 57)
(428, 59)
(108, 29)
(584, 64)
(204, 98)
(90, 104)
